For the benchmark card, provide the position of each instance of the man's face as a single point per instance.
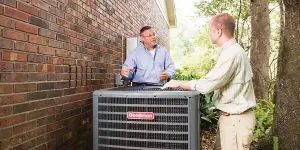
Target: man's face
(213, 33)
(149, 38)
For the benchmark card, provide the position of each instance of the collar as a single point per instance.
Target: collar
(227, 44)
(142, 45)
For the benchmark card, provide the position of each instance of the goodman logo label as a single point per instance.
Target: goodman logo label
(140, 115)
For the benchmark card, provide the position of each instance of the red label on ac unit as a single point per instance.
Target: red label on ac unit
(140, 115)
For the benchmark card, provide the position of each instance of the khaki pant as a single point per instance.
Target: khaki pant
(235, 131)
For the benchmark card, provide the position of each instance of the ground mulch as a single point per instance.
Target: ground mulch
(208, 139)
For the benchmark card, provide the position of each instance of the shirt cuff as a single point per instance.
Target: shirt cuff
(193, 84)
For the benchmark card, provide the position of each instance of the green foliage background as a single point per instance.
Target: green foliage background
(196, 55)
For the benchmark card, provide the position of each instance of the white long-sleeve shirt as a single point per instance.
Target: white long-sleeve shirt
(230, 79)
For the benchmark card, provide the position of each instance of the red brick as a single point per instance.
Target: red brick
(13, 77)
(55, 93)
(41, 4)
(5, 111)
(47, 16)
(38, 39)
(6, 43)
(34, 39)
(76, 41)
(21, 67)
(28, 87)
(62, 85)
(50, 68)
(75, 55)
(6, 88)
(15, 35)
(65, 76)
(39, 22)
(14, 56)
(62, 53)
(26, 1)
(5, 133)
(81, 89)
(63, 22)
(14, 13)
(12, 99)
(27, 145)
(24, 127)
(47, 33)
(70, 32)
(7, 22)
(70, 47)
(12, 120)
(57, 28)
(55, 43)
(22, 46)
(44, 103)
(52, 2)
(40, 141)
(37, 58)
(61, 37)
(37, 77)
(27, 8)
(82, 36)
(37, 114)
(19, 108)
(41, 68)
(41, 130)
(46, 50)
(59, 69)
(31, 67)
(26, 27)
(6, 66)
(55, 60)
(11, 3)
(32, 48)
(18, 139)
(52, 76)
(1, 9)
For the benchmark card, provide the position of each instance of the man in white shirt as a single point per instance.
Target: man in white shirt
(231, 81)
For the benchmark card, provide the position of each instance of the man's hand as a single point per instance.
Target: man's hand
(125, 71)
(164, 76)
(172, 84)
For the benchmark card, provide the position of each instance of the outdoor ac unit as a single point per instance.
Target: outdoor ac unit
(147, 118)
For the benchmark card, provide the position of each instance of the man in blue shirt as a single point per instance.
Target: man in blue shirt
(149, 63)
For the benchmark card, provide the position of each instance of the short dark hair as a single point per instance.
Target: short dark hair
(144, 29)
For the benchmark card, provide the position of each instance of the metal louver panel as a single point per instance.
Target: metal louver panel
(175, 124)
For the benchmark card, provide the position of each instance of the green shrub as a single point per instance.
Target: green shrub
(209, 115)
(264, 112)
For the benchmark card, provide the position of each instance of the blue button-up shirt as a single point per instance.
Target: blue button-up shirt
(148, 67)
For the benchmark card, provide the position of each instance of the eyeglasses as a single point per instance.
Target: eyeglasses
(151, 35)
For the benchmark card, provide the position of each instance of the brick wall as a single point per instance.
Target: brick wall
(53, 55)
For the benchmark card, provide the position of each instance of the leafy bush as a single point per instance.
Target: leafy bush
(264, 112)
(209, 115)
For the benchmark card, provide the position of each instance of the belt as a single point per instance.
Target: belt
(142, 84)
(228, 114)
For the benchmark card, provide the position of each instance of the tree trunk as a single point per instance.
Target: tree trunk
(287, 94)
(260, 45)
